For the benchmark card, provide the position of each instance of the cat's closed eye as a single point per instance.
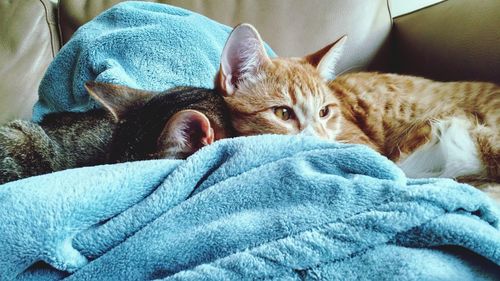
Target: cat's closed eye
(283, 112)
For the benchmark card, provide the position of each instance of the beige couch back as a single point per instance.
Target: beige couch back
(291, 27)
(29, 41)
(454, 40)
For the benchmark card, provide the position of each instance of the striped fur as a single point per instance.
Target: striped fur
(397, 115)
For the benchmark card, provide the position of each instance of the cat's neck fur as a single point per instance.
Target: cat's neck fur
(83, 139)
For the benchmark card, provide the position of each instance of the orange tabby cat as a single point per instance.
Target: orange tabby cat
(430, 129)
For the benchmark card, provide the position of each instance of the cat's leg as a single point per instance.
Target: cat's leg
(10, 170)
(11, 143)
(25, 150)
(451, 152)
(488, 143)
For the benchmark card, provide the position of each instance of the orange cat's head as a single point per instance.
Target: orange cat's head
(279, 95)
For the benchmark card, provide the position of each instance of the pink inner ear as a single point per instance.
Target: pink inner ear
(198, 131)
(243, 54)
(188, 129)
(326, 59)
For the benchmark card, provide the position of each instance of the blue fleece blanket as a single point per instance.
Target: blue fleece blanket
(138, 44)
(264, 207)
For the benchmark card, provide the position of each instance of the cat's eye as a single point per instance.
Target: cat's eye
(283, 112)
(324, 111)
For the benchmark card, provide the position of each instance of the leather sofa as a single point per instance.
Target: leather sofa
(452, 40)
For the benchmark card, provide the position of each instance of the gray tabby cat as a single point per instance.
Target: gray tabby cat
(133, 125)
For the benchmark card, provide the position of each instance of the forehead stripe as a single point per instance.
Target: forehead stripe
(293, 97)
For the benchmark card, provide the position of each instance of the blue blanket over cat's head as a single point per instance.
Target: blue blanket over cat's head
(142, 45)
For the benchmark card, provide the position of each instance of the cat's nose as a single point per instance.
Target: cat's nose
(316, 131)
(309, 131)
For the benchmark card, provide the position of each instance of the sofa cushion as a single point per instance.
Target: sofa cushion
(453, 40)
(29, 42)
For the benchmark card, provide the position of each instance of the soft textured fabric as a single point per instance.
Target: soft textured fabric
(263, 207)
(138, 44)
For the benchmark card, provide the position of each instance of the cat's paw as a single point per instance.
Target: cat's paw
(9, 170)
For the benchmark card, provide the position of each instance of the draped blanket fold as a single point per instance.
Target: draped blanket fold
(263, 207)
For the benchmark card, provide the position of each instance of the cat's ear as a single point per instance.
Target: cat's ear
(185, 133)
(242, 56)
(117, 99)
(326, 59)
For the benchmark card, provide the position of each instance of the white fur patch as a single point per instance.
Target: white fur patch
(309, 131)
(450, 153)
